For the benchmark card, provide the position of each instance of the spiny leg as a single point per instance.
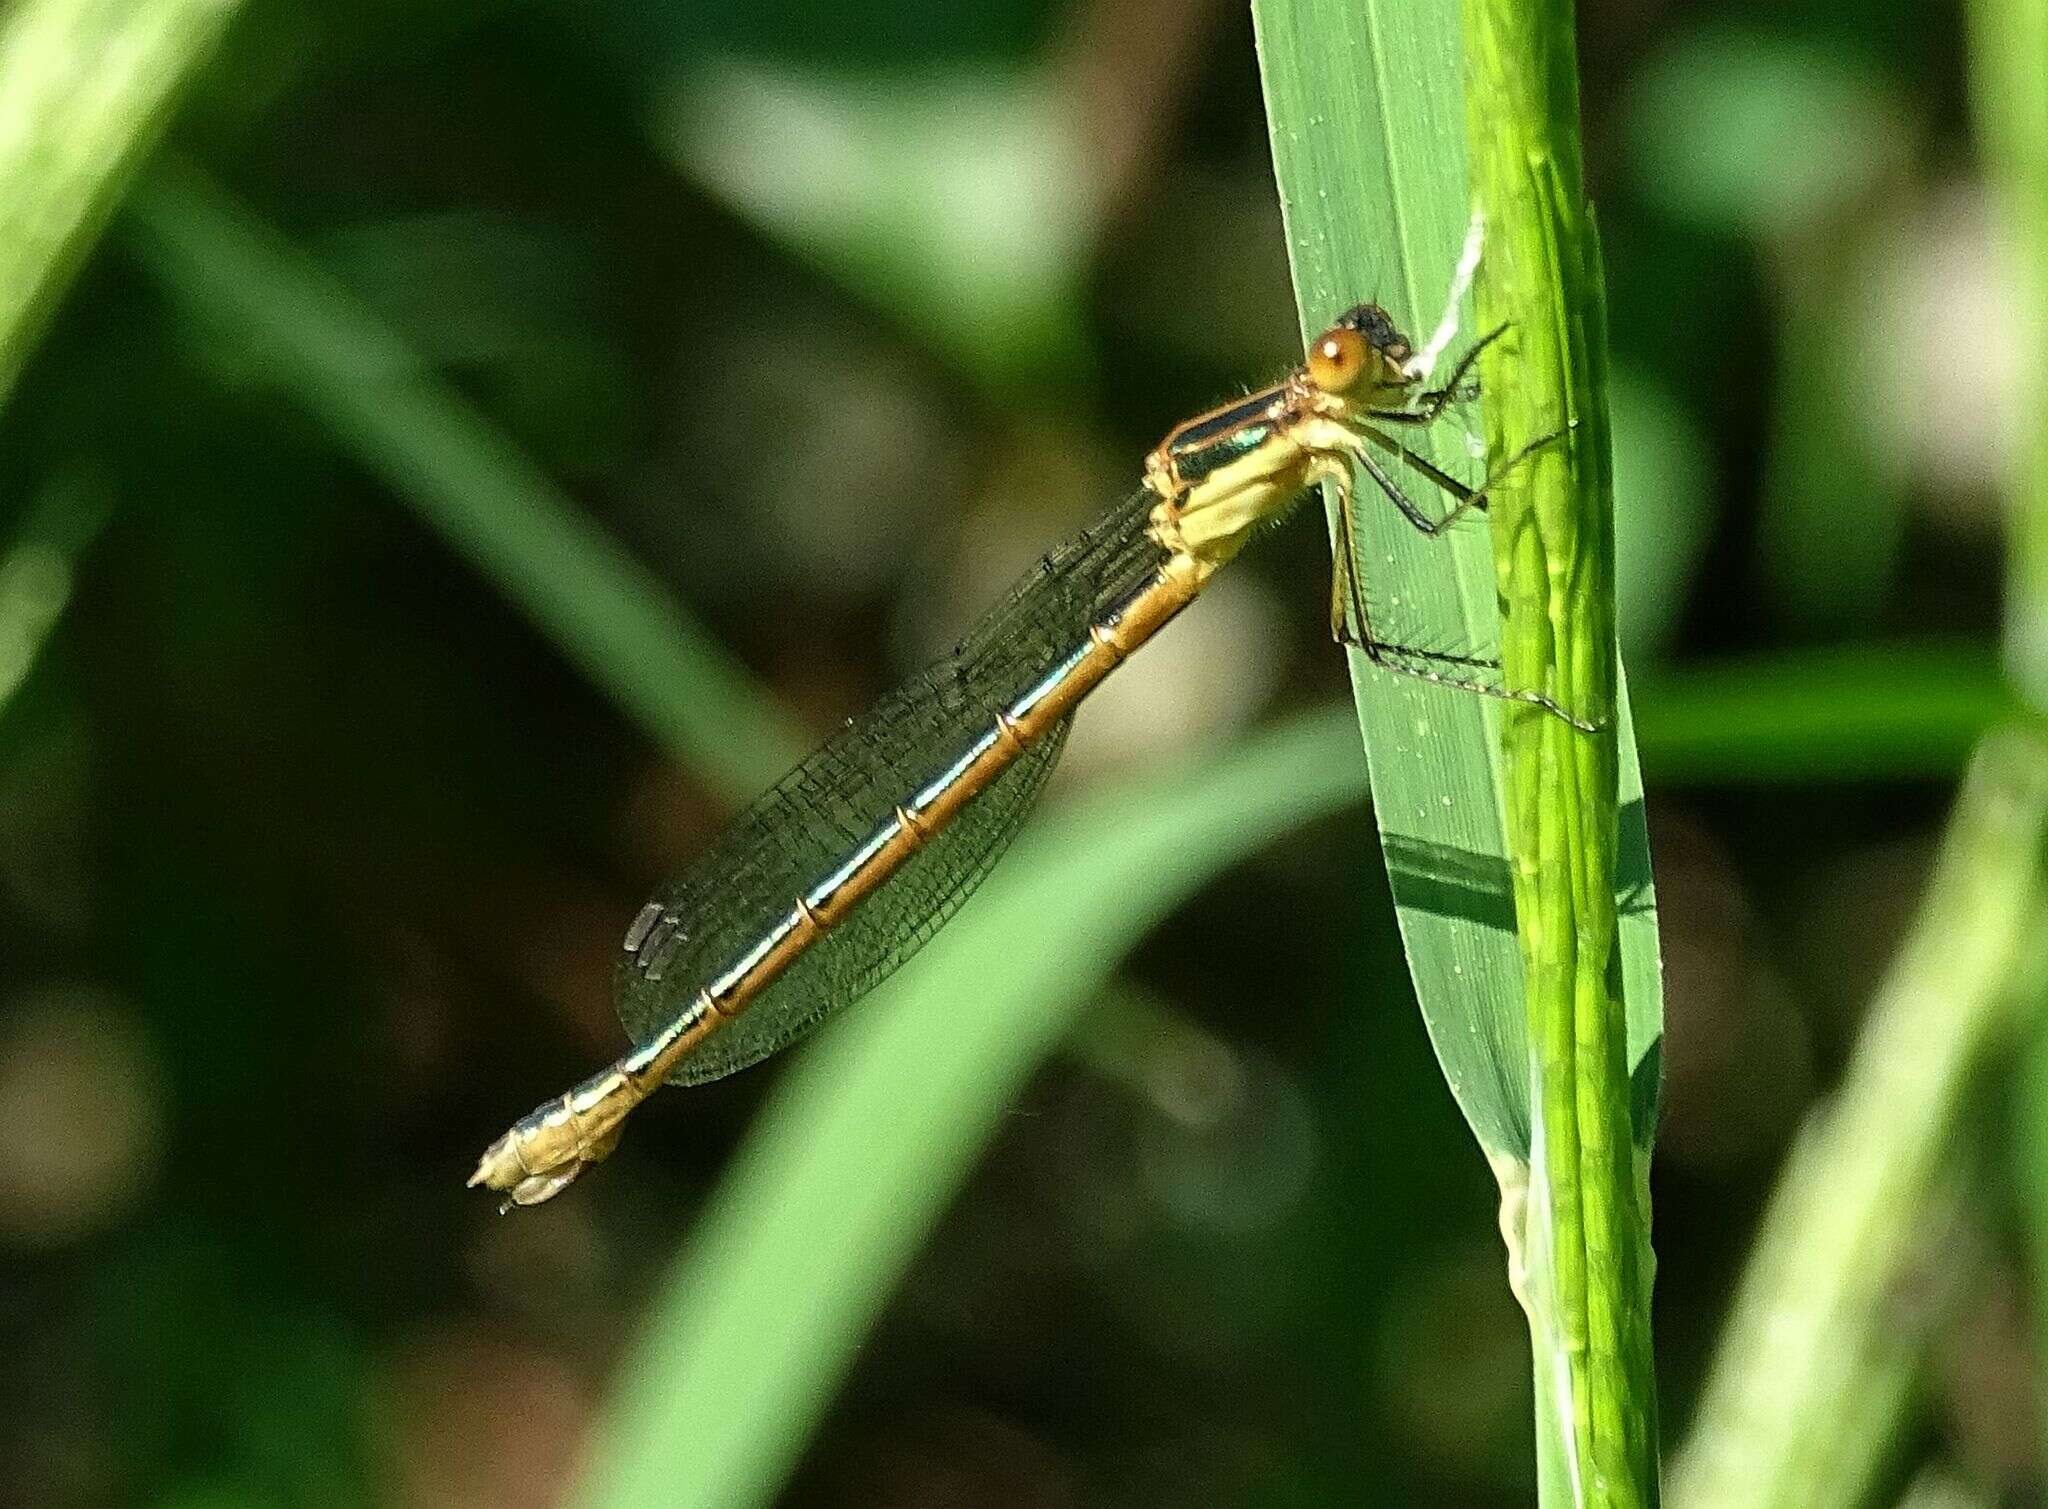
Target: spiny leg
(1351, 624)
(1351, 621)
(1436, 400)
(1469, 498)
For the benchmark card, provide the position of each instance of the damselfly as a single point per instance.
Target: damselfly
(842, 870)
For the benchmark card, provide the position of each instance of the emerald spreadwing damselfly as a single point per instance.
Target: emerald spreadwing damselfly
(847, 865)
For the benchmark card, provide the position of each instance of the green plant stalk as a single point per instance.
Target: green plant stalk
(1587, 1252)
(1810, 1383)
(85, 88)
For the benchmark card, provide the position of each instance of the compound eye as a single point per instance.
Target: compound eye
(1336, 359)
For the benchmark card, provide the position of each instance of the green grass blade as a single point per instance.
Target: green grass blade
(85, 88)
(466, 480)
(876, 1124)
(1368, 130)
(1371, 175)
(1818, 1368)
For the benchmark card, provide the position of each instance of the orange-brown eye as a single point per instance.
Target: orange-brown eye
(1336, 359)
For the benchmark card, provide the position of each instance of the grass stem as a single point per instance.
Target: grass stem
(1586, 1258)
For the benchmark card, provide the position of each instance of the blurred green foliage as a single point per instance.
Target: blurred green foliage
(323, 798)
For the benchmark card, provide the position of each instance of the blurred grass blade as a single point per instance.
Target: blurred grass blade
(1858, 712)
(469, 482)
(1664, 506)
(1807, 1395)
(38, 568)
(1825, 461)
(875, 1126)
(1944, 1487)
(958, 200)
(85, 88)
(2009, 89)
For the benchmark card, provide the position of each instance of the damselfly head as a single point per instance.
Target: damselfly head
(1363, 343)
(1379, 330)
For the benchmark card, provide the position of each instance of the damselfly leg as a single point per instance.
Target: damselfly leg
(1350, 620)
(1430, 405)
